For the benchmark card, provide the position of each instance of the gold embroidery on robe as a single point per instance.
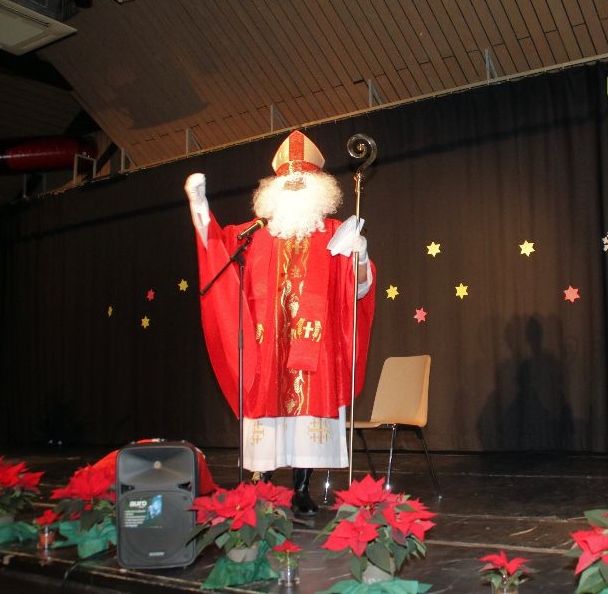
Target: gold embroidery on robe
(259, 333)
(307, 329)
(257, 433)
(292, 265)
(318, 431)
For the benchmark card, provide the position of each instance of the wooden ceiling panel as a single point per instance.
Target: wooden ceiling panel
(148, 70)
(598, 37)
(564, 26)
(602, 8)
(544, 15)
(583, 39)
(557, 47)
(394, 20)
(537, 34)
(458, 50)
(505, 27)
(575, 16)
(529, 49)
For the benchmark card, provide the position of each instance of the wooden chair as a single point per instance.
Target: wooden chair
(401, 402)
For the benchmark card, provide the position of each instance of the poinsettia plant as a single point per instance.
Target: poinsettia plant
(88, 497)
(286, 551)
(242, 516)
(591, 548)
(48, 519)
(377, 527)
(18, 487)
(502, 572)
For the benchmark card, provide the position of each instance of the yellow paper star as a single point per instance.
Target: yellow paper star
(526, 248)
(433, 249)
(392, 292)
(183, 285)
(110, 311)
(145, 322)
(461, 290)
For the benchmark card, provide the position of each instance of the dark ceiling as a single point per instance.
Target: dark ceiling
(159, 78)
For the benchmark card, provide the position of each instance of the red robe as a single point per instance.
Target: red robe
(298, 317)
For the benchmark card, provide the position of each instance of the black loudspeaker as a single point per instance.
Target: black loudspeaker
(156, 483)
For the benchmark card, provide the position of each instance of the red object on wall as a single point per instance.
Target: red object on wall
(44, 153)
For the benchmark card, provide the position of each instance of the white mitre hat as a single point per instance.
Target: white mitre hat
(297, 153)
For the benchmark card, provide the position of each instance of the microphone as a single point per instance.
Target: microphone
(255, 226)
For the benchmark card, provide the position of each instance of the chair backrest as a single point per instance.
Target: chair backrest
(402, 394)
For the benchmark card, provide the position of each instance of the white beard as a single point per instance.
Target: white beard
(297, 212)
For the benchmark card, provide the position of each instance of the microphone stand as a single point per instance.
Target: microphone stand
(238, 257)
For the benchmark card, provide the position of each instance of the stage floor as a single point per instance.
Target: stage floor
(526, 504)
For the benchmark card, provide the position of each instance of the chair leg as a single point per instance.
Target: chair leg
(434, 478)
(369, 458)
(390, 457)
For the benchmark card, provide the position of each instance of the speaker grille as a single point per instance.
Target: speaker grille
(156, 486)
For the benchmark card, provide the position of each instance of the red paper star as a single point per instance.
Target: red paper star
(150, 295)
(420, 315)
(571, 294)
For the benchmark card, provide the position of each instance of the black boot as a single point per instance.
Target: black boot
(302, 504)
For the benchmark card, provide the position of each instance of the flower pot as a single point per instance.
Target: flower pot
(244, 554)
(505, 589)
(372, 574)
(288, 571)
(46, 537)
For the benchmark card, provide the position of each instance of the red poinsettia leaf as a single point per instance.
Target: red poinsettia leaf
(593, 544)
(274, 494)
(515, 564)
(364, 493)
(88, 483)
(501, 562)
(287, 546)
(46, 518)
(352, 534)
(497, 560)
(30, 480)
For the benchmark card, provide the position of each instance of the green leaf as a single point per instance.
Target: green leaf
(591, 581)
(603, 567)
(379, 555)
(17, 531)
(222, 539)
(284, 526)
(262, 522)
(214, 531)
(346, 510)
(400, 555)
(196, 531)
(597, 517)
(356, 566)
(249, 534)
(273, 538)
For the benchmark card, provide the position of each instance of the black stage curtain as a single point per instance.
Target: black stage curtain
(514, 365)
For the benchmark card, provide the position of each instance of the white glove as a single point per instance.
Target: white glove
(347, 239)
(199, 205)
(360, 245)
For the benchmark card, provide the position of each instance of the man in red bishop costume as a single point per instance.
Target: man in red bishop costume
(298, 318)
